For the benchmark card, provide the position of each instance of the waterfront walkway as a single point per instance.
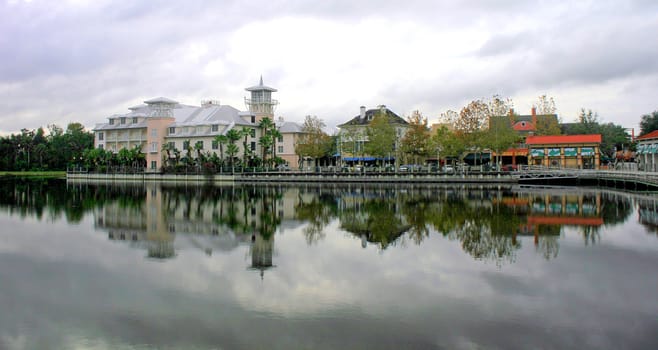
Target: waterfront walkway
(633, 180)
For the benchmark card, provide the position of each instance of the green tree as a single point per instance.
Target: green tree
(649, 123)
(381, 136)
(498, 138)
(232, 149)
(266, 140)
(221, 141)
(415, 142)
(246, 150)
(612, 136)
(448, 143)
(313, 142)
(547, 126)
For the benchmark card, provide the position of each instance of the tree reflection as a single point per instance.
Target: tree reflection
(318, 211)
(487, 222)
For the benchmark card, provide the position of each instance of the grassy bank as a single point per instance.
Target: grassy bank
(33, 174)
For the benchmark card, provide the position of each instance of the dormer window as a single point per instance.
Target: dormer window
(172, 130)
(111, 121)
(134, 120)
(215, 127)
(123, 120)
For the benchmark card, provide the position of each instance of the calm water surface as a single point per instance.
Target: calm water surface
(85, 266)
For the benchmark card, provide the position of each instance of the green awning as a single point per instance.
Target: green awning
(570, 152)
(587, 151)
(553, 152)
(537, 152)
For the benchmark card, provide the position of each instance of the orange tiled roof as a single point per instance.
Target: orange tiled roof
(554, 139)
(651, 135)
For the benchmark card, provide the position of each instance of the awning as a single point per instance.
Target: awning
(359, 159)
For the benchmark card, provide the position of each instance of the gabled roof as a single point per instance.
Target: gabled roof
(370, 114)
(651, 135)
(566, 139)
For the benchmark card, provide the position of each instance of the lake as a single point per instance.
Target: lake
(158, 266)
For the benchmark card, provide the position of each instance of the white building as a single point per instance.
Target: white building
(162, 120)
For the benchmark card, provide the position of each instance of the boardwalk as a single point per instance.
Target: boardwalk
(632, 180)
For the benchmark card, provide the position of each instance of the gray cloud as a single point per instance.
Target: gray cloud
(60, 62)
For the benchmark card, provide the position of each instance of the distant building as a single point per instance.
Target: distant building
(565, 151)
(285, 146)
(354, 133)
(647, 148)
(161, 121)
(526, 124)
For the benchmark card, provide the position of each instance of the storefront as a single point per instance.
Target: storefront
(647, 149)
(565, 151)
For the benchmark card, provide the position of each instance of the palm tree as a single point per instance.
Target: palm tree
(221, 140)
(168, 148)
(276, 134)
(245, 132)
(266, 141)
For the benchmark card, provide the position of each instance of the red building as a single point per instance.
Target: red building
(565, 151)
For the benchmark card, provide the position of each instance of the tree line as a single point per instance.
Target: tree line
(483, 124)
(38, 150)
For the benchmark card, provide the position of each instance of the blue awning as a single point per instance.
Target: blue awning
(359, 159)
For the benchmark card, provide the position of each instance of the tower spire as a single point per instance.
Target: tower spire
(261, 80)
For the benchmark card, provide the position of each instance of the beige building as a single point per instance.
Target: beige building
(353, 135)
(285, 146)
(161, 121)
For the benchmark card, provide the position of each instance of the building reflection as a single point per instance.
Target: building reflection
(648, 213)
(487, 221)
(261, 251)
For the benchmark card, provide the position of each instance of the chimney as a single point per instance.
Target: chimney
(363, 112)
(534, 116)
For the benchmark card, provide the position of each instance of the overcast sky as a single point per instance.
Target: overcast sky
(82, 61)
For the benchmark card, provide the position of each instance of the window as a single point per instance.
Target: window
(154, 147)
(253, 146)
(253, 118)
(172, 145)
(215, 145)
(123, 120)
(154, 164)
(100, 136)
(280, 139)
(135, 120)
(186, 144)
(253, 133)
(199, 145)
(100, 146)
(154, 132)
(111, 121)
(280, 149)
(215, 127)
(172, 130)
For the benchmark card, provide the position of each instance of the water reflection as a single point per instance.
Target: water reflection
(486, 221)
(386, 267)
